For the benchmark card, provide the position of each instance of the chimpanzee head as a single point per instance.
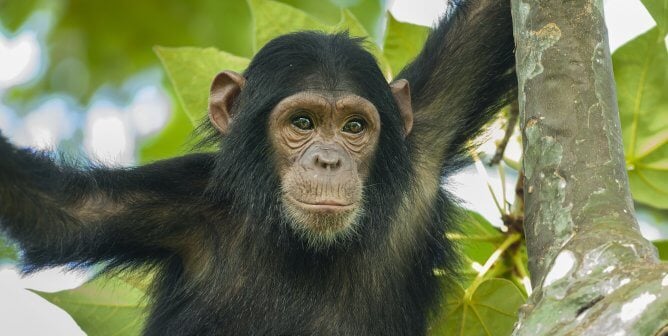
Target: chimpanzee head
(314, 124)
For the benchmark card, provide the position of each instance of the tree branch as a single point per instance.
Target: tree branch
(587, 258)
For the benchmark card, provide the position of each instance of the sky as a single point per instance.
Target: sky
(110, 132)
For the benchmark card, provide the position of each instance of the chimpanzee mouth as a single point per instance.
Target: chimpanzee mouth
(327, 205)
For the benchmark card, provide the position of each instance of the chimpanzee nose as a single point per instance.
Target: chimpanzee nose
(325, 157)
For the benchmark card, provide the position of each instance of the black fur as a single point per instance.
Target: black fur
(212, 227)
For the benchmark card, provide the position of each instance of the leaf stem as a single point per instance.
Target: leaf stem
(510, 240)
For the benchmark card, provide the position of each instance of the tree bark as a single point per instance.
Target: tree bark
(593, 272)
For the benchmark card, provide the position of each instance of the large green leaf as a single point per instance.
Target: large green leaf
(191, 71)
(103, 307)
(325, 11)
(403, 42)
(273, 19)
(659, 11)
(641, 73)
(490, 310)
(370, 13)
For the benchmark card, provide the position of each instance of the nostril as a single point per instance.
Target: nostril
(319, 162)
(325, 162)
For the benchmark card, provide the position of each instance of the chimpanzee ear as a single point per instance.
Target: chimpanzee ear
(224, 89)
(402, 95)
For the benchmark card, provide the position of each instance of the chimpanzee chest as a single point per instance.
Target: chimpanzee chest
(261, 302)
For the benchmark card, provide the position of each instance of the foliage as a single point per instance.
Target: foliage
(641, 73)
(8, 252)
(488, 298)
(174, 138)
(489, 310)
(104, 306)
(402, 42)
(370, 13)
(191, 71)
(14, 13)
(500, 254)
(106, 42)
(659, 11)
(662, 248)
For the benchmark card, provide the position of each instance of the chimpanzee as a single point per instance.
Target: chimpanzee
(321, 214)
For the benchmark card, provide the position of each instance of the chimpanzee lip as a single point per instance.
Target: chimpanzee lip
(324, 205)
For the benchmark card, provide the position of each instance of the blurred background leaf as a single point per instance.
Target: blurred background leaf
(92, 43)
(13, 13)
(174, 139)
(8, 251)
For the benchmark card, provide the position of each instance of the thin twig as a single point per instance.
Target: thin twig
(515, 218)
(513, 116)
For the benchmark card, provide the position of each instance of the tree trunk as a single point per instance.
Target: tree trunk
(593, 273)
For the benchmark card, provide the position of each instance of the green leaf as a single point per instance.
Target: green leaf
(191, 71)
(403, 42)
(103, 307)
(273, 19)
(662, 247)
(490, 310)
(326, 12)
(370, 13)
(8, 250)
(478, 239)
(641, 73)
(659, 11)
(350, 23)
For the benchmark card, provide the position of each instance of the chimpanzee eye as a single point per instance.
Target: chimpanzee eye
(302, 122)
(354, 126)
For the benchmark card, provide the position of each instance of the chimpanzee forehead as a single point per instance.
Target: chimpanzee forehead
(338, 85)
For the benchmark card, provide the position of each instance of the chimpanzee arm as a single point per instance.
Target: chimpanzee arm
(462, 76)
(60, 214)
